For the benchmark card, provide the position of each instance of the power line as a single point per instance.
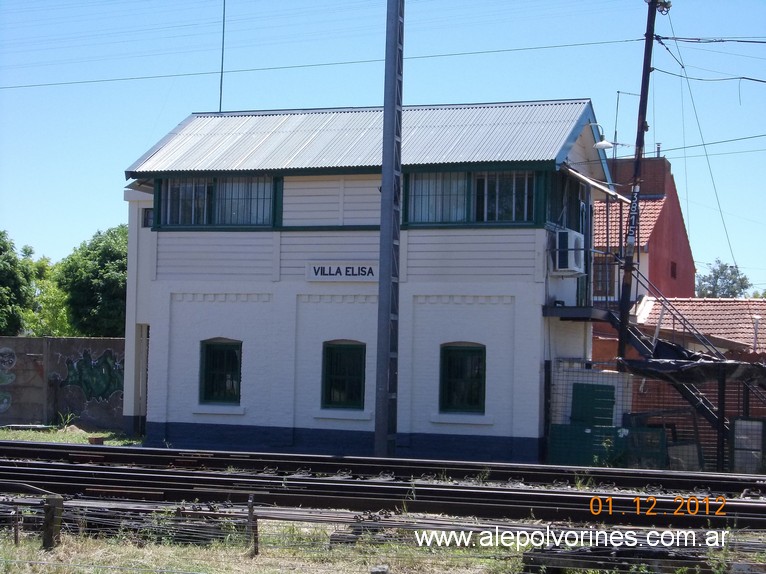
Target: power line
(735, 39)
(733, 78)
(316, 65)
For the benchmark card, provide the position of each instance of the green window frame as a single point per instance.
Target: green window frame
(216, 202)
(462, 373)
(505, 196)
(500, 197)
(343, 370)
(220, 371)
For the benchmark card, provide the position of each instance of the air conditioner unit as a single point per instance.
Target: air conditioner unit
(569, 253)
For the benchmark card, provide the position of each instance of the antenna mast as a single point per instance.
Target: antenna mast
(223, 46)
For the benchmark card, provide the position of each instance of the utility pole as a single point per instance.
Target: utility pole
(655, 6)
(386, 382)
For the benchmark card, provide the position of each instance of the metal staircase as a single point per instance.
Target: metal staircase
(654, 349)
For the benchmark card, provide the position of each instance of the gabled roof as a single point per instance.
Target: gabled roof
(649, 213)
(719, 319)
(351, 137)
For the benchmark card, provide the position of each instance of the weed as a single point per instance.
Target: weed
(65, 420)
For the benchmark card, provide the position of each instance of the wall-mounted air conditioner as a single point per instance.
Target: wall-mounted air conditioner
(568, 253)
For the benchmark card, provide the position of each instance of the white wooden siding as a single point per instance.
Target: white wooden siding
(361, 201)
(210, 255)
(311, 201)
(474, 253)
(302, 247)
(331, 200)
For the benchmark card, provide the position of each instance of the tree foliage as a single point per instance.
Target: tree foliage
(94, 278)
(49, 314)
(16, 292)
(724, 280)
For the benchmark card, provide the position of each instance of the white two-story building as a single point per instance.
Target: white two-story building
(253, 265)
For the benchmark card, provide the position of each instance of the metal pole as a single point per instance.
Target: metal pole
(630, 239)
(721, 429)
(223, 49)
(390, 208)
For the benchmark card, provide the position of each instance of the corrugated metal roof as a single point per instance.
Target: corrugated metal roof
(351, 137)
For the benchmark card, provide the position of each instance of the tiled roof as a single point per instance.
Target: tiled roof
(352, 137)
(649, 213)
(729, 319)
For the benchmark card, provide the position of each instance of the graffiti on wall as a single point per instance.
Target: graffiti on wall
(92, 388)
(7, 362)
(98, 378)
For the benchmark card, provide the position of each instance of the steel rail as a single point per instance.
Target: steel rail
(403, 469)
(475, 500)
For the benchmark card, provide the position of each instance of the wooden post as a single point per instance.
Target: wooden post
(252, 527)
(53, 509)
(16, 525)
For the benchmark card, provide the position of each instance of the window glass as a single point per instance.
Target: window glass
(243, 201)
(462, 374)
(343, 365)
(447, 197)
(220, 371)
(147, 217)
(438, 197)
(219, 202)
(504, 196)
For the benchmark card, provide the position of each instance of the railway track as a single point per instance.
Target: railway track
(731, 485)
(496, 491)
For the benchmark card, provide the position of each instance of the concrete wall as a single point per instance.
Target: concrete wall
(44, 379)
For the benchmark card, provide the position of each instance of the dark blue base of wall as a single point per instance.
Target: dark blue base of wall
(342, 443)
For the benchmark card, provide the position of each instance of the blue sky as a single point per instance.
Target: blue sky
(87, 86)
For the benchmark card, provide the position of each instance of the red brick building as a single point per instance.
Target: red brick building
(663, 254)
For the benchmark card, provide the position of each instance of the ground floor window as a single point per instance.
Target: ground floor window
(220, 371)
(343, 366)
(462, 378)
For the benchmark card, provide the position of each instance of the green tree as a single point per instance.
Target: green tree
(16, 292)
(724, 280)
(94, 278)
(48, 315)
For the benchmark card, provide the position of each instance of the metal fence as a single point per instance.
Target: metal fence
(598, 416)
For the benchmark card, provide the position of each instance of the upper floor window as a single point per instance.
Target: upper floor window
(604, 275)
(221, 201)
(147, 217)
(505, 196)
(457, 197)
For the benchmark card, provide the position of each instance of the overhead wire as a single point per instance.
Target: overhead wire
(315, 65)
(680, 61)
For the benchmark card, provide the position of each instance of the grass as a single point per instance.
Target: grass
(285, 547)
(69, 433)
